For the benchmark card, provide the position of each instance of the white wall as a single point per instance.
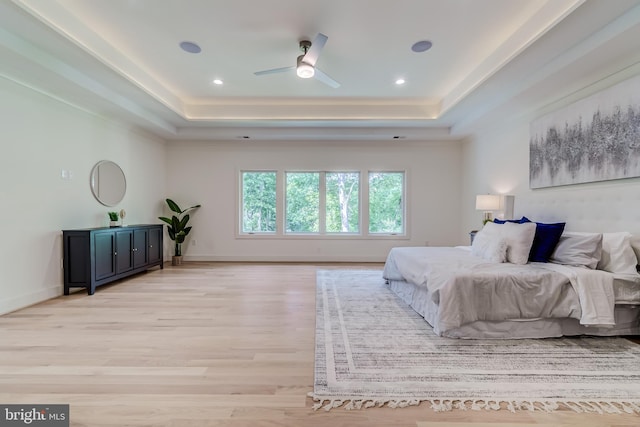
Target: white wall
(40, 137)
(206, 172)
(496, 160)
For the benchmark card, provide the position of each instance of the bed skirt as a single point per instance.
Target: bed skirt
(627, 318)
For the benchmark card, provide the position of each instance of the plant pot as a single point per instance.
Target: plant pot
(113, 224)
(176, 260)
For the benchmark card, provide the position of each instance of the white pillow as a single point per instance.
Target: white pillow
(491, 248)
(617, 254)
(578, 249)
(518, 237)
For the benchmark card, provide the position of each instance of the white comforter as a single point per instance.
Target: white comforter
(467, 288)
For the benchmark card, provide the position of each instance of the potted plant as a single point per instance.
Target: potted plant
(177, 228)
(113, 219)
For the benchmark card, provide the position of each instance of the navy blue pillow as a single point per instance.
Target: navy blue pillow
(545, 240)
(517, 221)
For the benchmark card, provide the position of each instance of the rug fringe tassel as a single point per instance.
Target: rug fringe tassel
(446, 405)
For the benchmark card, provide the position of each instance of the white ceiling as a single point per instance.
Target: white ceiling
(122, 57)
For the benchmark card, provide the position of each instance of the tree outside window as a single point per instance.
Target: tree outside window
(342, 202)
(303, 202)
(259, 202)
(386, 205)
(323, 203)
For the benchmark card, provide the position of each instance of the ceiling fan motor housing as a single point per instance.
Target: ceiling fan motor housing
(306, 63)
(303, 69)
(305, 45)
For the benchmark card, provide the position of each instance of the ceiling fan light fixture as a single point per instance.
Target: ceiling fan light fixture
(305, 64)
(305, 71)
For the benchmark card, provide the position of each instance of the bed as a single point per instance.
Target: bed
(504, 286)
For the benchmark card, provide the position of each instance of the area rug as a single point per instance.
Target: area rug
(373, 350)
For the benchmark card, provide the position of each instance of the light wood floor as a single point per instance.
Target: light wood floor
(203, 344)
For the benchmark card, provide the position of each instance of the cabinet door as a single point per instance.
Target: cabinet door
(154, 250)
(124, 253)
(139, 248)
(104, 251)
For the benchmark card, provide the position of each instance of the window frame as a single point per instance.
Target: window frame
(360, 204)
(404, 203)
(240, 204)
(363, 200)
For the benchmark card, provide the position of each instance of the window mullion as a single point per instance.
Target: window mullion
(364, 204)
(322, 205)
(280, 202)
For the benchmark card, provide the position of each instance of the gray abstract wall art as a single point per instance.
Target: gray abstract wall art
(594, 139)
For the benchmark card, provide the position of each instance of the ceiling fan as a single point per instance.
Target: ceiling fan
(306, 64)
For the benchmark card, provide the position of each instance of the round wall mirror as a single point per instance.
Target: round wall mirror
(108, 183)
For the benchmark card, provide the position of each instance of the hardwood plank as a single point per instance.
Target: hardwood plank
(202, 344)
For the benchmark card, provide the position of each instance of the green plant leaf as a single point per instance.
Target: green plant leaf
(184, 221)
(174, 206)
(180, 237)
(177, 226)
(192, 207)
(175, 223)
(165, 219)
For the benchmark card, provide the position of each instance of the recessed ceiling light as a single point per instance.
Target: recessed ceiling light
(400, 81)
(190, 47)
(217, 82)
(421, 46)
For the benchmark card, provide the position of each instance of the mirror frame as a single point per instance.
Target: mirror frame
(94, 180)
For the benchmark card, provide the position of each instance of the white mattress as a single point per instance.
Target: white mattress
(627, 316)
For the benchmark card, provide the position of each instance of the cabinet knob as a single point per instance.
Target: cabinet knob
(150, 246)
(115, 253)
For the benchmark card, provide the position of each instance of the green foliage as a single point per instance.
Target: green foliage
(385, 202)
(303, 202)
(177, 224)
(258, 202)
(113, 216)
(342, 202)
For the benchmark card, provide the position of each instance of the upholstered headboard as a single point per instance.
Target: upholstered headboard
(600, 207)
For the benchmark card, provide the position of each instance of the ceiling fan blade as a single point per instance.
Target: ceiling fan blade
(274, 71)
(324, 78)
(313, 53)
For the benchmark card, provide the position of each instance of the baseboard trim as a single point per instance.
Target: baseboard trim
(9, 305)
(327, 258)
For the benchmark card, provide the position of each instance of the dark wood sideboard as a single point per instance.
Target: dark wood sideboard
(97, 256)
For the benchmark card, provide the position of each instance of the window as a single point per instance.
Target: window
(323, 203)
(259, 202)
(303, 202)
(342, 202)
(386, 206)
